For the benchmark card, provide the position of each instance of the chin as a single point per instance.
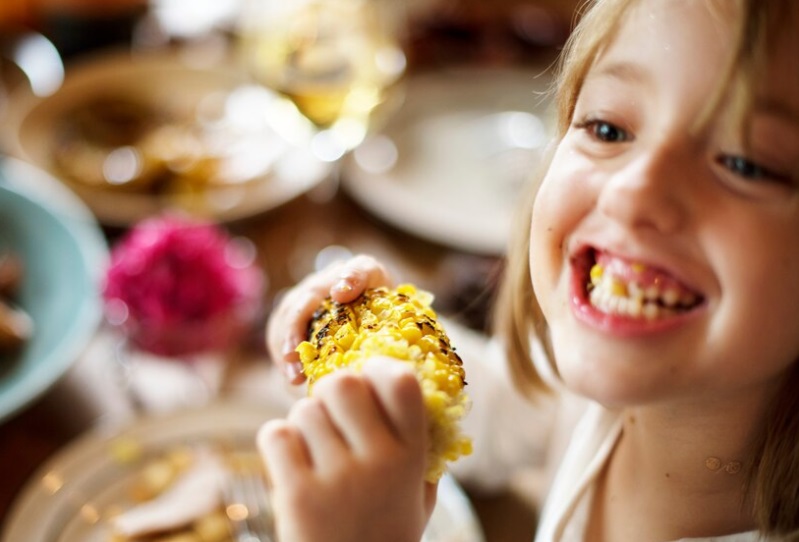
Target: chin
(608, 376)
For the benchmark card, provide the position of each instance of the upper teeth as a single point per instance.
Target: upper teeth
(611, 295)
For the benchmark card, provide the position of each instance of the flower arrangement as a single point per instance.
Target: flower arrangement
(177, 286)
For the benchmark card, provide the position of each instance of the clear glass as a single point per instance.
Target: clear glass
(338, 62)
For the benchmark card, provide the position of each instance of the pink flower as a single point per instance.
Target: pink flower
(176, 286)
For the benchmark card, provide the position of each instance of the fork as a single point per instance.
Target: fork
(248, 507)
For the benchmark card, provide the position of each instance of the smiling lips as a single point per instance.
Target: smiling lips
(613, 288)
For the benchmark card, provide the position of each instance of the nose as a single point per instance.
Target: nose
(647, 192)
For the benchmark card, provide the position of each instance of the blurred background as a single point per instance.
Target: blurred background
(427, 114)
(292, 134)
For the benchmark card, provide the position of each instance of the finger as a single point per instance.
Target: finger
(357, 275)
(288, 325)
(430, 497)
(398, 390)
(283, 451)
(354, 409)
(324, 442)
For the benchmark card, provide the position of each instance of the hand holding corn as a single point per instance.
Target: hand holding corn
(349, 461)
(400, 324)
(288, 324)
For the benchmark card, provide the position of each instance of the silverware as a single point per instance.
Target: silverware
(248, 506)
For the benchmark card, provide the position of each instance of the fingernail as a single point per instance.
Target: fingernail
(289, 346)
(342, 286)
(293, 370)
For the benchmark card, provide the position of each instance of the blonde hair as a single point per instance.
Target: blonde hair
(773, 474)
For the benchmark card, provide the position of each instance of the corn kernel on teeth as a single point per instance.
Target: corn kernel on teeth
(399, 323)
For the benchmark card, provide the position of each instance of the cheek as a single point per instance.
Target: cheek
(757, 266)
(544, 240)
(563, 201)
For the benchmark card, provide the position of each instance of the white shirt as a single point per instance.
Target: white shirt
(512, 435)
(565, 515)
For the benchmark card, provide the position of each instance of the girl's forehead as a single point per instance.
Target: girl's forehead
(685, 48)
(783, 52)
(684, 39)
(664, 24)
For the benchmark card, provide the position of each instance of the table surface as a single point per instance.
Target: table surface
(288, 239)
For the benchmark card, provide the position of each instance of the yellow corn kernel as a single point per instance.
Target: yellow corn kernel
(400, 324)
(596, 274)
(345, 336)
(411, 333)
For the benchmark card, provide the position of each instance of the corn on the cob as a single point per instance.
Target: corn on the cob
(402, 324)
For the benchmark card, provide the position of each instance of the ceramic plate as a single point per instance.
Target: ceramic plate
(64, 255)
(63, 502)
(268, 160)
(450, 165)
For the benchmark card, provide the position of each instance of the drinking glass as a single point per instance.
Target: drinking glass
(339, 62)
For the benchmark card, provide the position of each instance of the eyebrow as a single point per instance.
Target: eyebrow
(627, 72)
(779, 109)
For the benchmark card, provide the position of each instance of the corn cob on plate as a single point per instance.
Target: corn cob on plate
(399, 323)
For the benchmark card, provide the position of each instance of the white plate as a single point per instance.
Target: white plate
(285, 169)
(61, 501)
(450, 165)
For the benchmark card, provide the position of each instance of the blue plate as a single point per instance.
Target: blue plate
(64, 253)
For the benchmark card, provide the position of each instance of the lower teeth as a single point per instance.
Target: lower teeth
(629, 307)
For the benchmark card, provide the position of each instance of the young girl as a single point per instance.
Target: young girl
(658, 269)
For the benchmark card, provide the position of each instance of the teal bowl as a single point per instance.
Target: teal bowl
(64, 255)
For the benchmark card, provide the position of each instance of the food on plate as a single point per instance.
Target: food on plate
(16, 326)
(98, 143)
(399, 323)
(11, 272)
(178, 496)
(119, 142)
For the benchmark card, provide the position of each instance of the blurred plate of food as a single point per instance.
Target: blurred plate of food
(450, 165)
(104, 483)
(52, 255)
(135, 134)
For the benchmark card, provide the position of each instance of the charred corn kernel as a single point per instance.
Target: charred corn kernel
(401, 324)
(596, 274)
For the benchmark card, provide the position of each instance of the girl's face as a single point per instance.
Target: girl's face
(665, 255)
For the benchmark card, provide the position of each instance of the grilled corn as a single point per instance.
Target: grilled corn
(399, 323)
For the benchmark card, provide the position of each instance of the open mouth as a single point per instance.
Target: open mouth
(619, 287)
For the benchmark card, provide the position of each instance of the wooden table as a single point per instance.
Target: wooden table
(287, 238)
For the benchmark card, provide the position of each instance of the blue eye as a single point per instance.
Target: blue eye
(749, 170)
(604, 131)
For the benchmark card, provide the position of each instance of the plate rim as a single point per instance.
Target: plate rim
(91, 445)
(260, 194)
(364, 187)
(75, 217)
(230, 408)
